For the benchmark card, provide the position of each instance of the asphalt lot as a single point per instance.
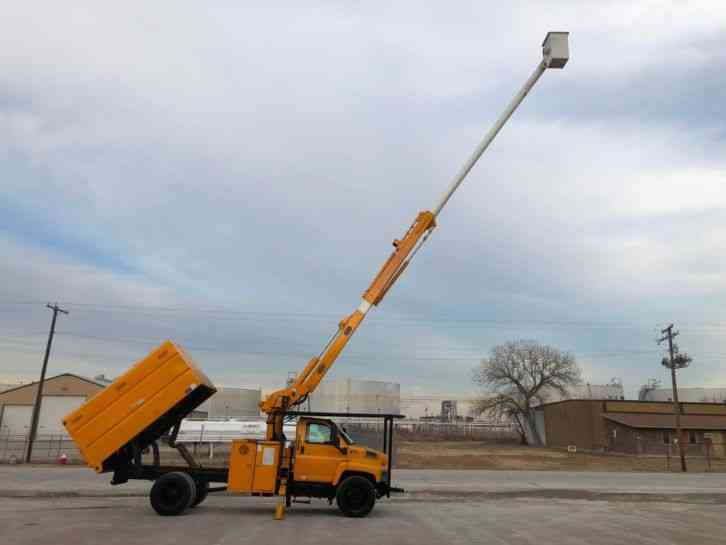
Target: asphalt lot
(74, 506)
(52, 481)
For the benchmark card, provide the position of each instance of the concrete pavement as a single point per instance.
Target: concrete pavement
(74, 506)
(51, 481)
(229, 520)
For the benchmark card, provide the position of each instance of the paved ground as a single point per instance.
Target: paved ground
(443, 507)
(80, 481)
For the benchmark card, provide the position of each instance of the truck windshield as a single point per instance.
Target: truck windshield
(346, 437)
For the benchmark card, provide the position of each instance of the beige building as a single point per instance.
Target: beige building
(61, 395)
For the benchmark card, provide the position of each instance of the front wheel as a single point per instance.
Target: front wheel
(356, 496)
(173, 493)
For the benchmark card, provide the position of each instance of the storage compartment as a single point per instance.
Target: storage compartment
(253, 466)
(138, 407)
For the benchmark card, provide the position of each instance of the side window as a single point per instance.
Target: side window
(318, 433)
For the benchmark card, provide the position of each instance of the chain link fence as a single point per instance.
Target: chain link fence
(46, 448)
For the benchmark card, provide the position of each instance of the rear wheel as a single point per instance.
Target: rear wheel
(356, 496)
(202, 492)
(173, 493)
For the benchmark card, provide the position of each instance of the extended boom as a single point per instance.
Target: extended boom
(555, 53)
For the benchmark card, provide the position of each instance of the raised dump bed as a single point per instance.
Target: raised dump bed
(119, 422)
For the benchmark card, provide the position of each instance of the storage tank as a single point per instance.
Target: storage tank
(232, 403)
(356, 396)
(685, 394)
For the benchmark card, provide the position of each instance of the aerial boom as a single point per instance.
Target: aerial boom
(318, 366)
(555, 53)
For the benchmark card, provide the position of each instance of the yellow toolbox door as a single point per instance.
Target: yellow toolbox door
(242, 466)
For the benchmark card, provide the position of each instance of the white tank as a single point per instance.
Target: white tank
(226, 431)
(232, 403)
(708, 395)
(356, 396)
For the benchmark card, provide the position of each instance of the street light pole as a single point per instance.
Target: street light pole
(39, 394)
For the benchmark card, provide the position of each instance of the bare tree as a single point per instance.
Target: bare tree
(517, 376)
(502, 409)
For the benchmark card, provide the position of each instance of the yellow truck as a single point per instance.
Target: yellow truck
(148, 402)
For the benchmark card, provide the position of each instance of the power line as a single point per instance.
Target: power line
(256, 314)
(236, 351)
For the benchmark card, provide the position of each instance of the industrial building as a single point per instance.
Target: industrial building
(61, 395)
(446, 407)
(456, 408)
(631, 427)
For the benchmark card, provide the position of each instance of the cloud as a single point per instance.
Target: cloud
(261, 161)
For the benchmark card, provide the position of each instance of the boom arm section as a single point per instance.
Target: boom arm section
(306, 382)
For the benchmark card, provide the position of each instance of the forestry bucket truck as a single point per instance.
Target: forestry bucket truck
(116, 427)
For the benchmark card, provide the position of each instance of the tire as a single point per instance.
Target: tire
(202, 492)
(355, 496)
(173, 493)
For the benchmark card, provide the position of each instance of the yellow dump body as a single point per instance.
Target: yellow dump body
(138, 407)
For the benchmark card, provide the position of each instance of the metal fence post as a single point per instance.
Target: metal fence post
(26, 444)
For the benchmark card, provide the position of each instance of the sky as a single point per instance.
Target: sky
(231, 177)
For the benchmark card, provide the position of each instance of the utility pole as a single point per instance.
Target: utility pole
(673, 362)
(39, 394)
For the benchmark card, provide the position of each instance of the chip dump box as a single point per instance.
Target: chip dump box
(140, 406)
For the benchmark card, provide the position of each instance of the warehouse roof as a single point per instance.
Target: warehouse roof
(668, 421)
(30, 384)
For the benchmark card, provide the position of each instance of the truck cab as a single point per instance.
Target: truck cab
(320, 461)
(324, 454)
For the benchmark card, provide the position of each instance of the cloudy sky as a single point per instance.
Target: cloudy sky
(232, 178)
